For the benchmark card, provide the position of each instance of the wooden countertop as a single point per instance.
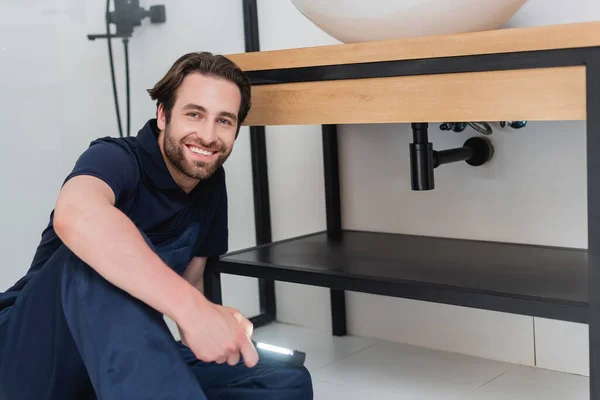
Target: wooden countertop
(562, 36)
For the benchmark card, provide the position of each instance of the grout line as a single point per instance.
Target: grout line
(486, 383)
(343, 358)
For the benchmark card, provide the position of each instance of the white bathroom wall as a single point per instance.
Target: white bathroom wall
(519, 197)
(56, 97)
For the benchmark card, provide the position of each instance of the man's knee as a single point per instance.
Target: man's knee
(300, 381)
(292, 382)
(304, 384)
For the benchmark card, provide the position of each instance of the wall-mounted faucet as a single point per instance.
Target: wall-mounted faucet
(481, 127)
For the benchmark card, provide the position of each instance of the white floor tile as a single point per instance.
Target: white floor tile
(329, 391)
(321, 347)
(411, 373)
(525, 383)
(355, 368)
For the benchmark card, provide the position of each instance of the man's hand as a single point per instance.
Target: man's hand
(218, 334)
(244, 323)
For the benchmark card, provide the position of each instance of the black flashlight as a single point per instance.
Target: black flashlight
(270, 352)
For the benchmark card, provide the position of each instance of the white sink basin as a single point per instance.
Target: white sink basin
(351, 21)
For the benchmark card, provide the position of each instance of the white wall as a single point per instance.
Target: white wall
(519, 197)
(56, 97)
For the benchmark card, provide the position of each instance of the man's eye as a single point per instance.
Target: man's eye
(226, 121)
(194, 115)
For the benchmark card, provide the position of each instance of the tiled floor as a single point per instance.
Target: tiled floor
(354, 368)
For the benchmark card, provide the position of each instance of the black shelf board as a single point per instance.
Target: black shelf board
(542, 281)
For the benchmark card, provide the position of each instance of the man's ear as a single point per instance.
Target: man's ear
(161, 120)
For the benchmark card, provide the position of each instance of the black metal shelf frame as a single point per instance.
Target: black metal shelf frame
(587, 313)
(260, 179)
(542, 281)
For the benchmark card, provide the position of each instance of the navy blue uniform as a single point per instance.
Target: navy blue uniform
(67, 333)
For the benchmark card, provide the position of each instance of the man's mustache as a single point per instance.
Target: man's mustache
(213, 146)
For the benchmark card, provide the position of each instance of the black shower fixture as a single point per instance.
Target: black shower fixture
(127, 15)
(475, 151)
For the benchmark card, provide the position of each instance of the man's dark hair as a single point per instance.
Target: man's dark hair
(205, 63)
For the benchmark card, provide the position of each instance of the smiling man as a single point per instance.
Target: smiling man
(128, 240)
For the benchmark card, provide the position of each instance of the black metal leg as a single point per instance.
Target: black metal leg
(262, 217)
(338, 312)
(260, 178)
(267, 300)
(334, 219)
(332, 181)
(593, 182)
(212, 286)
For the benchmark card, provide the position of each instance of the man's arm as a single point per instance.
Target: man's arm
(87, 222)
(194, 273)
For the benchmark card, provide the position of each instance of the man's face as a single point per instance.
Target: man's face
(202, 129)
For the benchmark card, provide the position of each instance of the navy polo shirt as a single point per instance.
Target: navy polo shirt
(145, 191)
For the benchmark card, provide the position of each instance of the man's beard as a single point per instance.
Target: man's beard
(194, 169)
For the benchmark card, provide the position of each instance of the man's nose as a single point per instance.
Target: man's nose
(207, 132)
